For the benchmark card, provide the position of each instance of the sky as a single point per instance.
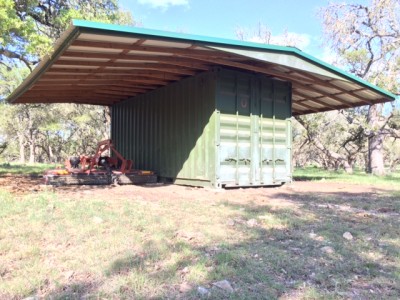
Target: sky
(222, 18)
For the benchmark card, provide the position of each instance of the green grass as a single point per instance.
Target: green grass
(24, 169)
(139, 243)
(358, 177)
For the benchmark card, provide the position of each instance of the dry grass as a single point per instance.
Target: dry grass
(144, 243)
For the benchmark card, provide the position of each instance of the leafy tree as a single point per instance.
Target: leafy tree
(28, 31)
(366, 39)
(29, 28)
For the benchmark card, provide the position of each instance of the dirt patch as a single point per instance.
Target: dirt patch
(21, 184)
(25, 184)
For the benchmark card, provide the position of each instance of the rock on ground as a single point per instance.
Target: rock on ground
(348, 236)
(225, 285)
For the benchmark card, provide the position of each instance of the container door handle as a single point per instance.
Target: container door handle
(246, 160)
(230, 159)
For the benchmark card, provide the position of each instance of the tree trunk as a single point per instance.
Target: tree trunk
(31, 153)
(21, 148)
(51, 155)
(375, 160)
(107, 122)
(376, 164)
(348, 167)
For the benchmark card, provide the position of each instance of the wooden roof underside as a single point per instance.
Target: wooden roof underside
(103, 69)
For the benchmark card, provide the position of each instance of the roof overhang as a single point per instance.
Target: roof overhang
(103, 64)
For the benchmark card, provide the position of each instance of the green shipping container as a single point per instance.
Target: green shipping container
(220, 128)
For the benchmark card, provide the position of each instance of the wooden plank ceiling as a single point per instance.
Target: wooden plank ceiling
(103, 69)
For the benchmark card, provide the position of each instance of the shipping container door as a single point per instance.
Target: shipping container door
(235, 126)
(253, 134)
(275, 132)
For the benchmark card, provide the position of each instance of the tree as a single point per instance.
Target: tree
(262, 34)
(366, 39)
(29, 28)
(328, 140)
(28, 31)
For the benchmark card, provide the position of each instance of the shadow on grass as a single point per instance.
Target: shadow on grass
(286, 253)
(23, 170)
(74, 291)
(314, 178)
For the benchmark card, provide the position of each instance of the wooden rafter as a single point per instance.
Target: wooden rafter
(132, 58)
(104, 81)
(148, 66)
(148, 77)
(154, 73)
(330, 84)
(313, 99)
(152, 49)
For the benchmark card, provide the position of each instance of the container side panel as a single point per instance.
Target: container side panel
(168, 130)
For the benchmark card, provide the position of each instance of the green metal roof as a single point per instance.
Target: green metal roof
(100, 63)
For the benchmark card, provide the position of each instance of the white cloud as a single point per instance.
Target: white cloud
(164, 3)
(328, 56)
(299, 40)
(292, 39)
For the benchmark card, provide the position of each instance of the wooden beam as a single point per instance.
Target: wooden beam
(143, 66)
(308, 98)
(152, 73)
(152, 49)
(312, 88)
(67, 100)
(306, 106)
(134, 58)
(330, 84)
(116, 93)
(104, 77)
(139, 75)
(122, 93)
(267, 70)
(67, 87)
(65, 94)
(137, 86)
(103, 81)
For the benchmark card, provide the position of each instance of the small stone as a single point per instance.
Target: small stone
(97, 220)
(348, 236)
(68, 275)
(252, 223)
(224, 285)
(185, 270)
(327, 249)
(312, 235)
(230, 222)
(203, 291)
(45, 187)
(184, 287)
(385, 209)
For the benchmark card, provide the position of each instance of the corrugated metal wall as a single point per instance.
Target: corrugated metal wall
(254, 138)
(221, 127)
(170, 130)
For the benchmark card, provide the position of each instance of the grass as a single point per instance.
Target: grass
(24, 169)
(358, 177)
(144, 243)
